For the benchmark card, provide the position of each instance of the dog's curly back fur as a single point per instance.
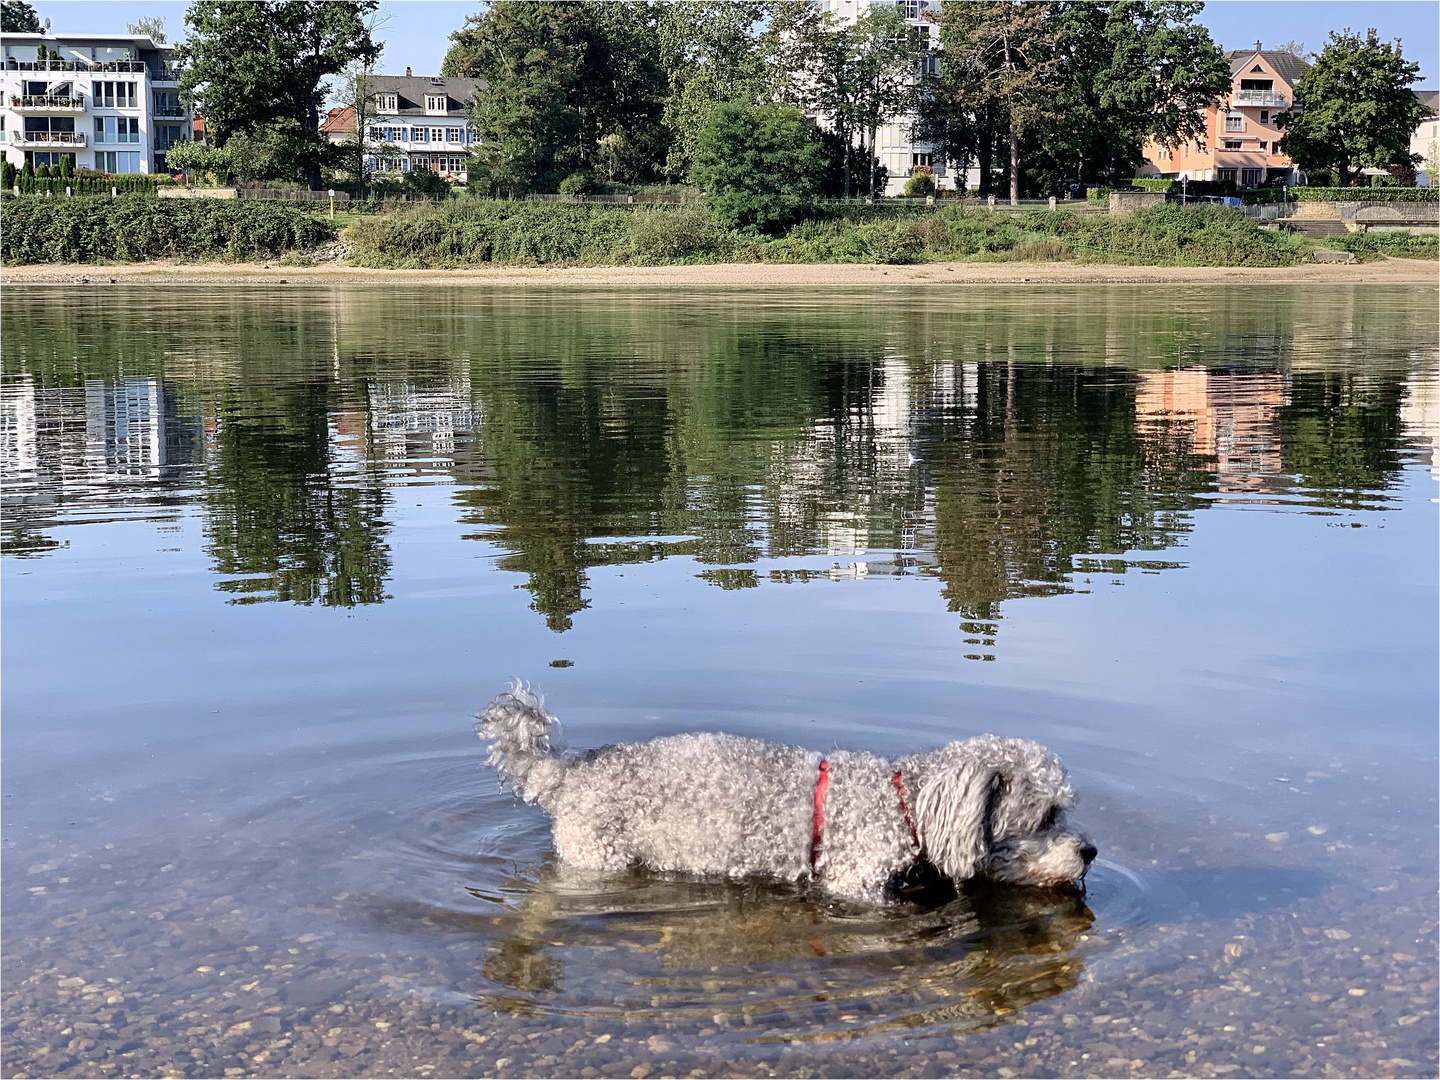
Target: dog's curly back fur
(723, 804)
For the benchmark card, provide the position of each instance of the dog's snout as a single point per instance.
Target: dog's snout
(1088, 851)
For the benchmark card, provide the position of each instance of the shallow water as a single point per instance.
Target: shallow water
(266, 550)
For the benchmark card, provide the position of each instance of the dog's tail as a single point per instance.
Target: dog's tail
(517, 726)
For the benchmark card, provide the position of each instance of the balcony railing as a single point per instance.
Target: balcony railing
(1257, 97)
(134, 66)
(48, 138)
(170, 112)
(36, 103)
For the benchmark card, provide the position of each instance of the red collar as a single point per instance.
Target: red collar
(817, 821)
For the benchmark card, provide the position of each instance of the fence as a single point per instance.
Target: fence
(623, 199)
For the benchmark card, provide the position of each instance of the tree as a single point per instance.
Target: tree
(18, 17)
(1131, 70)
(1002, 53)
(858, 75)
(151, 26)
(261, 67)
(713, 52)
(567, 86)
(1353, 109)
(760, 166)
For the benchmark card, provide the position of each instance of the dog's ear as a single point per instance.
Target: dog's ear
(950, 810)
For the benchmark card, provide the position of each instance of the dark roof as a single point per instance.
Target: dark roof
(1430, 99)
(411, 90)
(1286, 65)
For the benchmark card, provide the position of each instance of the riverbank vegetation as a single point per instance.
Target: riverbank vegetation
(468, 233)
(136, 228)
(483, 232)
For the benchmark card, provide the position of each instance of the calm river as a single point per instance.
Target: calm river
(267, 550)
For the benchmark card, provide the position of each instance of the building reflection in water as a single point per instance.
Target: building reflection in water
(1229, 418)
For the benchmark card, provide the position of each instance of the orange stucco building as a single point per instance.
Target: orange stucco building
(1240, 131)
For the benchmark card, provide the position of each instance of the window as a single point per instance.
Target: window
(166, 136)
(1250, 177)
(1225, 174)
(1234, 121)
(1262, 147)
(910, 8)
(386, 102)
(437, 103)
(373, 134)
(454, 134)
(1257, 84)
(1264, 116)
(421, 135)
(1232, 144)
(928, 160)
(112, 161)
(115, 95)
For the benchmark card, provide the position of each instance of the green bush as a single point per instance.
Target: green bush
(133, 228)
(669, 236)
(759, 166)
(474, 231)
(920, 184)
(1352, 194)
(579, 183)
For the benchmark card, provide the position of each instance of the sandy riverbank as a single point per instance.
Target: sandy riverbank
(1385, 271)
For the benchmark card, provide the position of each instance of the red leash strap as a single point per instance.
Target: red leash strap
(817, 823)
(899, 781)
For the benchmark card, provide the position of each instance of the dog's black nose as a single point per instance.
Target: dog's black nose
(1088, 853)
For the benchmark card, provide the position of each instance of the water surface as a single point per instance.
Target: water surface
(267, 549)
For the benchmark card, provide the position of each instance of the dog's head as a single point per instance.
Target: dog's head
(995, 808)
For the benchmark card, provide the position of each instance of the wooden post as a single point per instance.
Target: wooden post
(1052, 202)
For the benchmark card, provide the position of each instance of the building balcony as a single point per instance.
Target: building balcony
(132, 66)
(74, 103)
(168, 113)
(1258, 97)
(48, 138)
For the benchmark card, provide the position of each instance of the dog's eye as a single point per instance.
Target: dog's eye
(1051, 816)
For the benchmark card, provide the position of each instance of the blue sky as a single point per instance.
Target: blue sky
(416, 32)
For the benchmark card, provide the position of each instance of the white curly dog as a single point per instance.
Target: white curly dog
(855, 823)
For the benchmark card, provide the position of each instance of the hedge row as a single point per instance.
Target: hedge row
(139, 183)
(134, 228)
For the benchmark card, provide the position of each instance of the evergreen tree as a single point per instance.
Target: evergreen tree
(1353, 109)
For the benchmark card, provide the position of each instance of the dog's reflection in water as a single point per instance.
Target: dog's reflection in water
(774, 959)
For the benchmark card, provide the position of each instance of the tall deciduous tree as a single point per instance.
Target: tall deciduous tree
(18, 17)
(1129, 71)
(152, 26)
(714, 52)
(1353, 109)
(857, 75)
(569, 85)
(1003, 54)
(263, 65)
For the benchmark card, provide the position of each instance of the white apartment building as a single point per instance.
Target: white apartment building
(109, 102)
(419, 123)
(895, 146)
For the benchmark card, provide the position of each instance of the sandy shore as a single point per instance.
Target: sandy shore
(1385, 271)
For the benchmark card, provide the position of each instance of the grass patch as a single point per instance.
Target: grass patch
(1369, 246)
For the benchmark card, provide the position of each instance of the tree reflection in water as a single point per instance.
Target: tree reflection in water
(1004, 448)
